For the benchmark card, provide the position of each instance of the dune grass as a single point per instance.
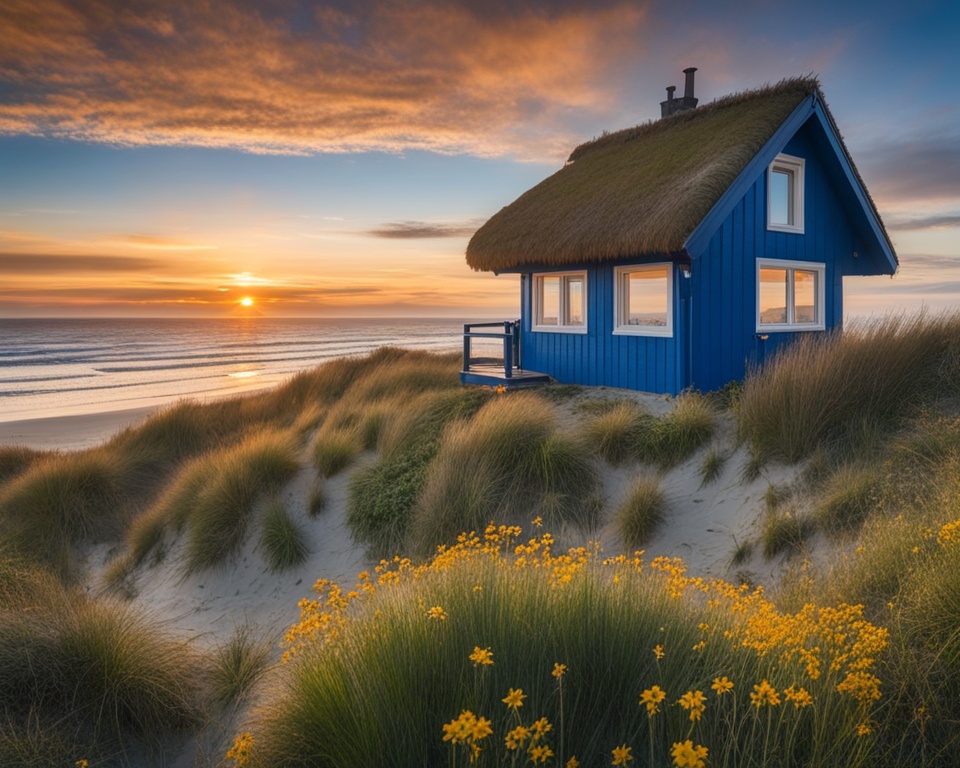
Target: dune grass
(828, 391)
(851, 494)
(641, 512)
(334, 450)
(87, 674)
(238, 665)
(712, 465)
(282, 541)
(501, 465)
(384, 494)
(625, 431)
(485, 624)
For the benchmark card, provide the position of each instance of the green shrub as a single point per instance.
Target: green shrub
(317, 499)
(712, 465)
(616, 429)
(281, 539)
(641, 512)
(382, 496)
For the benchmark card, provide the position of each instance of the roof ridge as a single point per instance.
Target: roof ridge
(804, 85)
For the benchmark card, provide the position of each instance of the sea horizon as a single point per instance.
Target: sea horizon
(58, 366)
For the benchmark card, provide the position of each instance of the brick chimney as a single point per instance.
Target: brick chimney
(688, 101)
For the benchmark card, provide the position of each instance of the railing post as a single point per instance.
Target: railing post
(517, 360)
(507, 356)
(466, 347)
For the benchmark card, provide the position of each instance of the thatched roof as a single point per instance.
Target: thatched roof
(638, 191)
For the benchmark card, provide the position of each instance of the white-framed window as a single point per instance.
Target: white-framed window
(790, 295)
(560, 302)
(643, 300)
(785, 194)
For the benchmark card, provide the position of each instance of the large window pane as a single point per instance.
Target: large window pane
(780, 186)
(773, 295)
(549, 301)
(804, 296)
(574, 296)
(647, 298)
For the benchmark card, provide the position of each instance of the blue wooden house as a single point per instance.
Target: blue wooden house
(678, 253)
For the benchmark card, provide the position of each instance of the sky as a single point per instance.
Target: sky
(173, 157)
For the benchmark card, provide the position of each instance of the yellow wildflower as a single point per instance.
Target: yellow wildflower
(694, 702)
(621, 755)
(501, 389)
(651, 698)
(481, 657)
(540, 754)
(573, 763)
(558, 670)
(764, 694)
(658, 651)
(541, 727)
(481, 729)
(514, 699)
(537, 521)
(686, 755)
(864, 729)
(799, 696)
(81, 763)
(516, 737)
(240, 751)
(721, 685)
(437, 612)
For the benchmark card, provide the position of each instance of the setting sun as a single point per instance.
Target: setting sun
(246, 301)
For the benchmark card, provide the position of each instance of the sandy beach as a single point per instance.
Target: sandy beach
(70, 433)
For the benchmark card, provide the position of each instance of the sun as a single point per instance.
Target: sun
(246, 301)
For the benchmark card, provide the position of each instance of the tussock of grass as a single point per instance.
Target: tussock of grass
(334, 450)
(498, 466)
(281, 539)
(218, 517)
(237, 666)
(624, 431)
(14, 459)
(712, 465)
(95, 672)
(828, 390)
(59, 502)
(850, 496)
(641, 512)
(317, 499)
(784, 532)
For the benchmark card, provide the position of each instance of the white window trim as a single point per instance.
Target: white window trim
(537, 289)
(619, 300)
(820, 308)
(795, 167)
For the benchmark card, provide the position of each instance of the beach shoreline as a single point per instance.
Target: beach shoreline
(71, 433)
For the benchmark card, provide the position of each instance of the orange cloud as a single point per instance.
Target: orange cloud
(483, 78)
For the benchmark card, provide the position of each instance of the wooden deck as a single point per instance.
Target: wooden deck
(490, 375)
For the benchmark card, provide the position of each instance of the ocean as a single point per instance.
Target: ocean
(65, 367)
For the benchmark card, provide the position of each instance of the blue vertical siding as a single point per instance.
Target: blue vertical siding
(723, 334)
(599, 357)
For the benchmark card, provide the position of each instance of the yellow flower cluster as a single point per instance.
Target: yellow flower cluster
(481, 657)
(240, 751)
(764, 694)
(694, 702)
(468, 729)
(686, 755)
(621, 755)
(651, 698)
(949, 534)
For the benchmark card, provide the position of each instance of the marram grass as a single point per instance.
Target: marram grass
(443, 662)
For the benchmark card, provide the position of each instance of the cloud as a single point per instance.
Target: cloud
(367, 75)
(912, 169)
(944, 221)
(162, 243)
(42, 264)
(414, 230)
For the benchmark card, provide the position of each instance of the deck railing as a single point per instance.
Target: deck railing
(511, 343)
